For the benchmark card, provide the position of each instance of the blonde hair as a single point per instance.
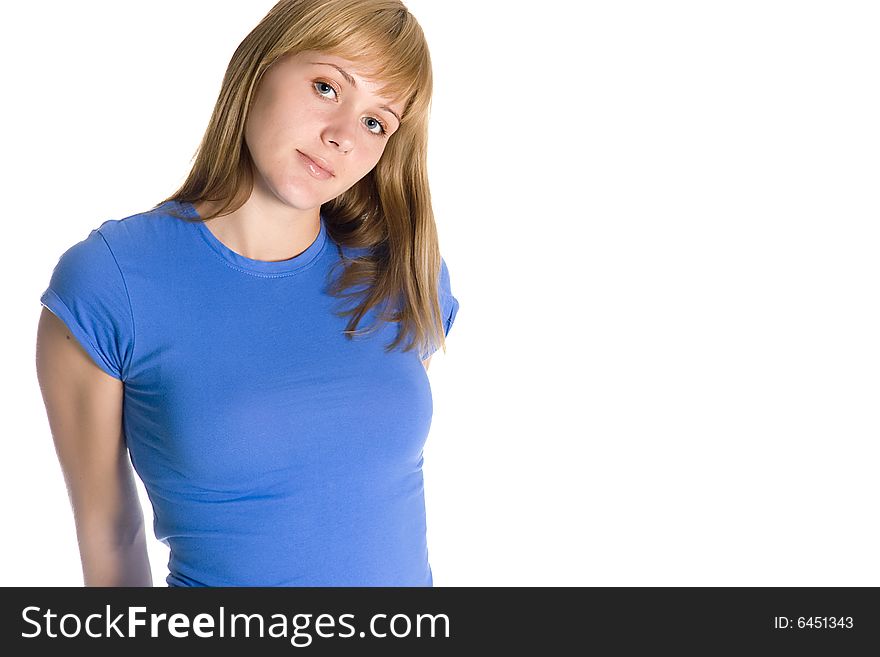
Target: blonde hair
(388, 212)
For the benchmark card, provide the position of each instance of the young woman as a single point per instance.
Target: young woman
(258, 341)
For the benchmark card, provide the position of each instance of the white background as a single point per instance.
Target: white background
(661, 223)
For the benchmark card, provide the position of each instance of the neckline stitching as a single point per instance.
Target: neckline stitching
(202, 229)
(244, 270)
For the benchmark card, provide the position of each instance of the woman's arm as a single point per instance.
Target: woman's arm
(84, 409)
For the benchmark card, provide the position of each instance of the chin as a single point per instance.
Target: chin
(298, 198)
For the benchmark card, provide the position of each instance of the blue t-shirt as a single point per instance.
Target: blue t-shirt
(274, 450)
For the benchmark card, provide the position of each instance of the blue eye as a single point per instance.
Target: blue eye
(324, 84)
(319, 83)
(378, 123)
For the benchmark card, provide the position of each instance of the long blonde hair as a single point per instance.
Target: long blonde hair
(388, 212)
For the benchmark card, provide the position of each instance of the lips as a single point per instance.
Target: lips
(319, 162)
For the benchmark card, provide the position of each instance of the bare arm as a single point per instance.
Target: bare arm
(84, 409)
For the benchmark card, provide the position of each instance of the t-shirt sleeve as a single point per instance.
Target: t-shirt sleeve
(87, 292)
(448, 305)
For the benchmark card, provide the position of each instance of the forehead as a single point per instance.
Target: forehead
(308, 57)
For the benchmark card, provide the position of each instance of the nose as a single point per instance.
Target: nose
(341, 137)
(343, 149)
(340, 132)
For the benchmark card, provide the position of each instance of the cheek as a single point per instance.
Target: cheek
(277, 126)
(376, 155)
(366, 164)
(260, 134)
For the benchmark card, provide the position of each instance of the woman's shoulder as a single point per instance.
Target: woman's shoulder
(141, 229)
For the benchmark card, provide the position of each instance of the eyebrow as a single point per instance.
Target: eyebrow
(351, 81)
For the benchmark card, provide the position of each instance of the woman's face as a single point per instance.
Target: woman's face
(306, 106)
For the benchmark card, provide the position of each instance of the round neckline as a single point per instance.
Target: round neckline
(236, 260)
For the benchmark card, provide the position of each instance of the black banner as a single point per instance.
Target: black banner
(418, 621)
